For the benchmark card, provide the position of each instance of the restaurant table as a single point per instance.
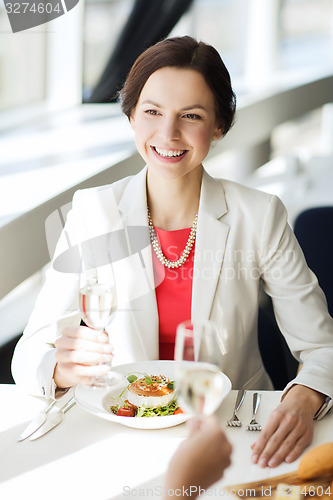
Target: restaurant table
(89, 458)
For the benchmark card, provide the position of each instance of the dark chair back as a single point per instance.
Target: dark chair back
(314, 231)
(278, 361)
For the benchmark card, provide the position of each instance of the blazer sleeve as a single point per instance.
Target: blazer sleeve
(299, 303)
(34, 361)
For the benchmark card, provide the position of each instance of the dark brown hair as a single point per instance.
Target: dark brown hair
(183, 52)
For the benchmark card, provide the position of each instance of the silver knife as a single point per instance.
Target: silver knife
(53, 420)
(37, 422)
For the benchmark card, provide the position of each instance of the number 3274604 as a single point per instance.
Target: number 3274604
(38, 8)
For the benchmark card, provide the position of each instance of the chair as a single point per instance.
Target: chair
(278, 361)
(314, 230)
(6, 353)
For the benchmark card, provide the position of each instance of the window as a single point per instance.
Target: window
(43, 64)
(306, 33)
(103, 22)
(221, 23)
(22, 64)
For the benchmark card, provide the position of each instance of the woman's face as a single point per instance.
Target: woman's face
(174, 121)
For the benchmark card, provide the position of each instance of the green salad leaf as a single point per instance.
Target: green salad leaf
(158, 411)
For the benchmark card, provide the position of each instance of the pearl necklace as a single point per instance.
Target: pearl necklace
(157, 248)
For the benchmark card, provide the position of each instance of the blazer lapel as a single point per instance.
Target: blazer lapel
(133, 210)
(210, 246)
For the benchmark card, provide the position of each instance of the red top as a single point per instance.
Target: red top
(173, 288)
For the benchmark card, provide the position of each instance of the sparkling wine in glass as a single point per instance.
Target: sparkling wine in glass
(199, 381)
(98, 304)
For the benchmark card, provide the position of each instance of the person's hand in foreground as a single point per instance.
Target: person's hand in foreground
(79, 355)
(289, 429)
(199, 461)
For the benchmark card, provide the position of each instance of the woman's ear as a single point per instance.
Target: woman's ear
(217, 134)
(132, 121)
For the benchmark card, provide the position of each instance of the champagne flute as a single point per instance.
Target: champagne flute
(200, 384)
(98, 304)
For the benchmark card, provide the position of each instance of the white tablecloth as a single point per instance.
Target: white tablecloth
(88, 458)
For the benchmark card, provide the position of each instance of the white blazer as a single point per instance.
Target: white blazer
(243, 239)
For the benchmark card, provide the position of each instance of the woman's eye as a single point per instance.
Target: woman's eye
(192, 116)
(151, 112)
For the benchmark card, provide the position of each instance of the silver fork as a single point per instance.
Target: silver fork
(234, 421)
(253, 425)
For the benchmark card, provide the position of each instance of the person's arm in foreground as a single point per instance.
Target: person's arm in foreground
(289, 429)
(199, 461)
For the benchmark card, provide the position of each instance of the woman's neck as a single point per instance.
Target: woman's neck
(173, 204)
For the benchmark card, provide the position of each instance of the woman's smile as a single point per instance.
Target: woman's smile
(173, 155)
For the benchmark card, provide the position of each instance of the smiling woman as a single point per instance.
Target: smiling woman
(213, 243)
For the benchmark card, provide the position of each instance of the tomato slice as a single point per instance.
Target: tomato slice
(177, 411)
(126, 411)
(135, 408)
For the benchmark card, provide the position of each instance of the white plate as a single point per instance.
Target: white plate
(97, 401)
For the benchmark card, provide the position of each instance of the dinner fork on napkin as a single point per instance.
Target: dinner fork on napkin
(234, 421)
(253, 425)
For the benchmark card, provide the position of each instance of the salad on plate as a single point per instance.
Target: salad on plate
(147, 396)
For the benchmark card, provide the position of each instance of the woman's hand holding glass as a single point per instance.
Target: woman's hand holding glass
(199, 382)
(80, 354)
(98, 304)
(84, 354)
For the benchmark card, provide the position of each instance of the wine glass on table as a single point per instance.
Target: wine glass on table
(98, 304)
(200, 384)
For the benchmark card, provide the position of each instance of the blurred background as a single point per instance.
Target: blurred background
(61, 127)
(293, 34)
